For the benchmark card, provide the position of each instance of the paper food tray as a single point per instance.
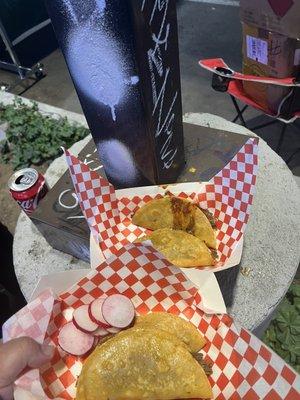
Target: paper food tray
(228, 196)
(243, 367)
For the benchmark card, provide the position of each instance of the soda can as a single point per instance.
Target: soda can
(27, 187)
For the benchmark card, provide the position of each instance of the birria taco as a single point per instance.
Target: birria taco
(145, 362)
(180, 248)
(179, 214)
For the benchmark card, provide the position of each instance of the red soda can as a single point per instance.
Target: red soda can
(27, 187)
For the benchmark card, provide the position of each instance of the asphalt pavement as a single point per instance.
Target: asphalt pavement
(207, 29)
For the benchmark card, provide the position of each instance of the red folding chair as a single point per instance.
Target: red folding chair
(225, 79)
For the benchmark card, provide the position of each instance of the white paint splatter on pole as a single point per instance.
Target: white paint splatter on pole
(96, 65)
(71, 11)
(101, 5)
(97, 60)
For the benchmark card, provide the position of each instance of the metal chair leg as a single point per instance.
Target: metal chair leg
(240, 115)
(242, 111)
(284, 126)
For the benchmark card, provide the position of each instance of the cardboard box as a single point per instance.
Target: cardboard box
(267, 53)
(281, 16)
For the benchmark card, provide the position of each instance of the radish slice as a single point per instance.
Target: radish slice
(74, 341)
(82, 319)
(112, 329)
(100, 332)
(118, 311)
(95, 312)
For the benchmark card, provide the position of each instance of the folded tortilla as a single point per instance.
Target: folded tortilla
(180, 248)
(176, 213)
(182, 329)
(146, 364)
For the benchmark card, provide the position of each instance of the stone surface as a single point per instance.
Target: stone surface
(270, 247)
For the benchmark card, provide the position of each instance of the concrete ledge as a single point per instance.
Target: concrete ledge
(271, 246)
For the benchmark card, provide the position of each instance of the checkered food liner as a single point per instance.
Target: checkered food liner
(228, 196)
(243, 367)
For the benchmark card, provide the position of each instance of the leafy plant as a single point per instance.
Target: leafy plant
(283, 334)
(33, 138)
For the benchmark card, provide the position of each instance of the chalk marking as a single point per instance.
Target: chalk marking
(156, 67)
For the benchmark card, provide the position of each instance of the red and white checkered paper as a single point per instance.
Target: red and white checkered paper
(228, 196)
(243, 367)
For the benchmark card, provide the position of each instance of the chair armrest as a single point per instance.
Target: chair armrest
(219, 67)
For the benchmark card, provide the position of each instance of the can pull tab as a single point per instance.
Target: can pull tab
(24, 179)
(27, 179)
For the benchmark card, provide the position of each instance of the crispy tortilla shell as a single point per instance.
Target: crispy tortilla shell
(176, 213)
(182, 329)
(181, 248)
(142, 364)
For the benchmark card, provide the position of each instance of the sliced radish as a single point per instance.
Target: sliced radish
(82, 319)
(74, 341)
(118, 310)
(95, 312)
(112, 329)
(100, 332)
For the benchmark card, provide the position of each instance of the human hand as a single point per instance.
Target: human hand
(15, 356)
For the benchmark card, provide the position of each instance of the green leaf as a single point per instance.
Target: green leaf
(272, 333)
(285, 354)
(286, 339)
(295, 289)
(4, 147)
(283, 334)
(35, 160)
(33, 137)
(295, 326)
(5, 158)
(297, 303)
(286, 305)
(293, 358)
(288, 318)
(295, 350)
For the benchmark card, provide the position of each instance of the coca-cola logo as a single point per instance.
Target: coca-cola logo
(29, 205)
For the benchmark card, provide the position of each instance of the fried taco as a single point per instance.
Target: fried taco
(142, 363)
(180, 248)
(182, 329)
(176, 213)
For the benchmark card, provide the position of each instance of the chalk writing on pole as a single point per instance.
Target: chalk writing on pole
(163, 106)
